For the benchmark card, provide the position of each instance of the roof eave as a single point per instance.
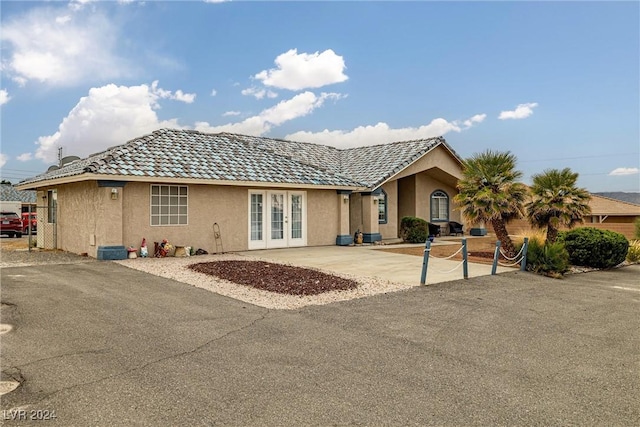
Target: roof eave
(177, 180)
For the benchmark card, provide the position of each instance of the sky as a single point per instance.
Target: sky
(555, 83)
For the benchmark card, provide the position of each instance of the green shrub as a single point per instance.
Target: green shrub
(636, 223)
(414, 230)
(592, 247)
(548, 259)
(633, 255)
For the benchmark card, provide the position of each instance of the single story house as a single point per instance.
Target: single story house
(14, 200)
(262, 192)
(606, 214)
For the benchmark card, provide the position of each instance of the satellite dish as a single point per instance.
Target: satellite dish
(68, 159)
(52, 168)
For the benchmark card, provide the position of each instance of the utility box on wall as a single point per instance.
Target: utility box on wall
(112, 253)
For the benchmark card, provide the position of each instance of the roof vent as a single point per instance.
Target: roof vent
(66, 160)
(52, 168)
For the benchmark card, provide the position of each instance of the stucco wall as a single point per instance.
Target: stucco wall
(323, 217)
(425, 186)
(439, 158)
(227, 206)
(406, 197)
(207, 205)
(356, 221)
(84, 210)
(390, 229)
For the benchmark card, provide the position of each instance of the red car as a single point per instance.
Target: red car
(25, 223)
(10, 224)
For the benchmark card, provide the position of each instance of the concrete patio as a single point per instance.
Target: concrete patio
(371, 261)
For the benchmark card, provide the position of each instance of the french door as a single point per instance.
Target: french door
(277, 219)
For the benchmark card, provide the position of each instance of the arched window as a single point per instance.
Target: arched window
(382, 207)
(439, 206)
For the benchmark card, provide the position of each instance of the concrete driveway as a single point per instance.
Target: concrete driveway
(374, 262)
(103, 345)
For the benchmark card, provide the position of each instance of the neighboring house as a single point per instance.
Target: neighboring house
(606, 214)
(14, 200)
(262, 192)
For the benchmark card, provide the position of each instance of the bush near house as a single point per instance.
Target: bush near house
(636, 224)
(550, 259)
(633, 255)
(592, 247)
(414, 230)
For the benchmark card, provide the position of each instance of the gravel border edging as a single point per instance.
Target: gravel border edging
(176, 269)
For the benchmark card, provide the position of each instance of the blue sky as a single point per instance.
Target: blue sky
(555, 83)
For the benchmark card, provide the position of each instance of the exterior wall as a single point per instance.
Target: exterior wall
(425, 186)
(225, 205)
(391, 228)
(439, 158)
(406, 198)
(356, 220)
(88, 217)
(323, 217)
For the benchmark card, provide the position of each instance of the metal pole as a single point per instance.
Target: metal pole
(496, 254)
(465, 266)
(30, 227)
(525, 248)
(425, 262)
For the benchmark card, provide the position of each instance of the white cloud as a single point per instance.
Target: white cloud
(371, 135)
(300, 105)
(3, 159)
(522, 111)
(184, 97)
(77, 5)
(214, 92)
(166, 94)
(25, 157)
(478, 118)
(107, 116)
(43, 46)
(231, 113)
(259, 93)
(301, 71)
(382, 133)
(624, 171)
(4, 96)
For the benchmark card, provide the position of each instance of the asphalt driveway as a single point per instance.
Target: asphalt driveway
(104, 345)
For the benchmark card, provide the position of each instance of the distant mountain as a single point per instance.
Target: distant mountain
(621, 195)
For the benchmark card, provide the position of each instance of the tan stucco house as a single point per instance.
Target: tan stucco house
(262, 192)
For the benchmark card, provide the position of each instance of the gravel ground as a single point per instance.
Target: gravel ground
(24, 258)
(178, 269)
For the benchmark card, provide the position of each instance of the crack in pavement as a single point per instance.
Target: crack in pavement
(98, 351)
(146, 365)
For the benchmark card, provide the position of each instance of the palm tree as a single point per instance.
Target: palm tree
(489, 192)
(556, 201)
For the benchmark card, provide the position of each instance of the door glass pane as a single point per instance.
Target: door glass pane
(277, 216)
(256, 217)
(296, 217)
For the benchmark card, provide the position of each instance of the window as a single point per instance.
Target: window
(169, 205)
(382, 207)
(439, 206)
(296, 216)
(52, 206)
(256, 216)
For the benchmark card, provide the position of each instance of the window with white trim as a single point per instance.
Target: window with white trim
(382, 207)
(439, 206)
(169, 204)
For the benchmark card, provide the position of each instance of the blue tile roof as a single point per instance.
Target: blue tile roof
(230, 157)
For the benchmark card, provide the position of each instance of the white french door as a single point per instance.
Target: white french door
(277, 219)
